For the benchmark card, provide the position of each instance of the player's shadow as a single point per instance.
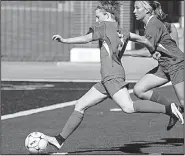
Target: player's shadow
(136, 147)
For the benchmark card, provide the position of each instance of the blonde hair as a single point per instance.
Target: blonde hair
(154, 7)
(147, 6)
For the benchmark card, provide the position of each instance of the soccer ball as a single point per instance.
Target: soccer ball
(35, 143)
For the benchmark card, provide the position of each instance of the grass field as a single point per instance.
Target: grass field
(102, 131)
(28, 105)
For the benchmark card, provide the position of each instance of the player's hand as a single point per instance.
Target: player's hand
(156, 55)
(57, 38)
(119, 34)
(121, 37)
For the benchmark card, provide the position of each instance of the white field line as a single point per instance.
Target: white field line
(48, 108)
(56, 80)
(60, 153)
(38, 110)
(43, 109)
(47, 80)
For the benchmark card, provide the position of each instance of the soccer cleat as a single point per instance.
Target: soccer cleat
(53, 141)
(173, 119)
(181, 109)
(176, 113)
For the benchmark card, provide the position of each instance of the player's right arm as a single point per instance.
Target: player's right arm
(92, 35)
(149, 51)
(75, 40)
(142, 40)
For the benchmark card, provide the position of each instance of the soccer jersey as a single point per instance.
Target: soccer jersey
(109, 42)
(157, 33)
(168, 26)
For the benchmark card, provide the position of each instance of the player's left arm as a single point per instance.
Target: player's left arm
(75, 40)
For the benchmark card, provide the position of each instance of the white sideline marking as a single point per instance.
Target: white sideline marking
(56, 80)
(47, 108)
(115, 110)
(60, 153)
(48, 80)
(38, 110)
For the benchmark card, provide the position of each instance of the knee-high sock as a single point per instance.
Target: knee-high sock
(159, 99)
(73, 122)
(146, 106)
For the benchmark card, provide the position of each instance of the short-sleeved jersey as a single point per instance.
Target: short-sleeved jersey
(168, 26)
(110, 55)
(157, 33)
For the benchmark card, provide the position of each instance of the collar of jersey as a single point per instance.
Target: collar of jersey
(148, 20)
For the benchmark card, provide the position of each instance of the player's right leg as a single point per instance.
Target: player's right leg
(144, 87)
(123, 100)
(144, 90)
(91, 98)
(179, 90)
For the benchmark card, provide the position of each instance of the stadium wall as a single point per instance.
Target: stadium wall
(28, 26)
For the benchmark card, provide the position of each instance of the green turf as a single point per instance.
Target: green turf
(101, 132)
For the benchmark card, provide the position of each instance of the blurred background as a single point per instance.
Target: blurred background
(28, 26)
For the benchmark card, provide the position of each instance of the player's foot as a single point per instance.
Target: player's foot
(54, 142)
(181, 109)
(173, 119)
(177, 115)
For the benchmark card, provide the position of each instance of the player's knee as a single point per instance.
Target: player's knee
(138, 91)
(79, 107)
(128, 109)
(182, 101)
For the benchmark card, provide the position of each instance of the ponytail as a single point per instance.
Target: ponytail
(158, 11)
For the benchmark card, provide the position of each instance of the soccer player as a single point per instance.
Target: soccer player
(112, 83)
(170, 27)
(162, 17)
(171, 60)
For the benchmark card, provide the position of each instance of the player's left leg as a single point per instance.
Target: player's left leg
(91, 98)
(123, 100)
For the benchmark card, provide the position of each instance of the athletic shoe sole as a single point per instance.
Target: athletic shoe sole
(176, 112)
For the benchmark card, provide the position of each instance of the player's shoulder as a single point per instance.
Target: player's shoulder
(155, 22)
(98, 24)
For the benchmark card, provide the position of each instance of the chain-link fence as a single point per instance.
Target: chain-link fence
(27, 27)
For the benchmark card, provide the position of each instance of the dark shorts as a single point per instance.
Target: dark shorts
(175, 76)
(111, 86)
